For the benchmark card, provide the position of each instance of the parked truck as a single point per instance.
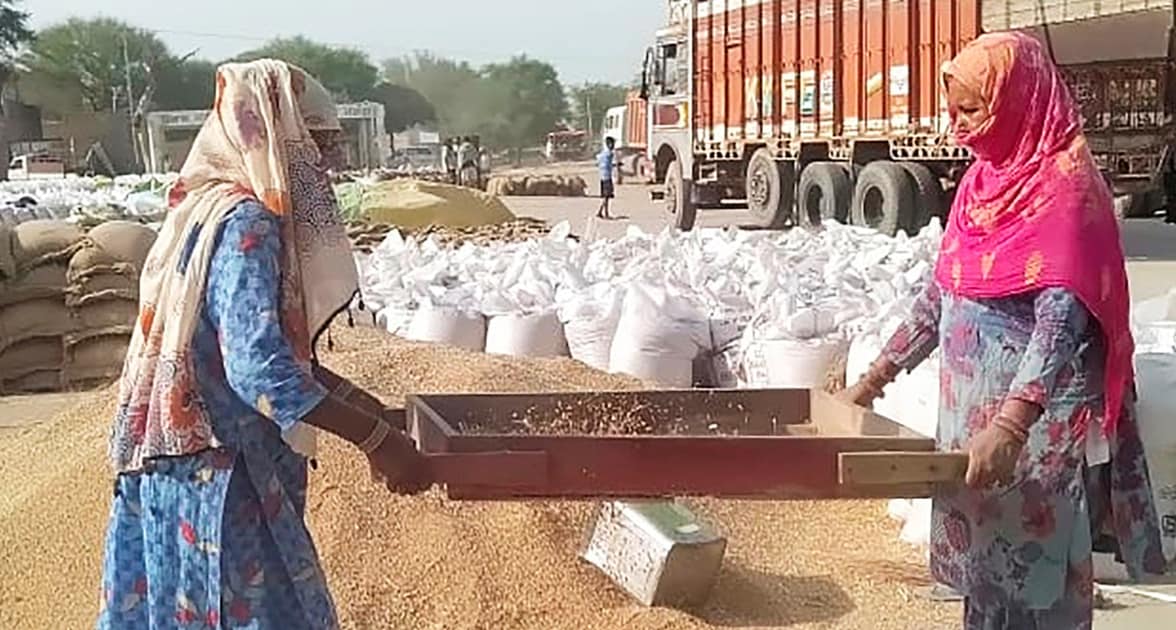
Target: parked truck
(832, 109)
(626, 124)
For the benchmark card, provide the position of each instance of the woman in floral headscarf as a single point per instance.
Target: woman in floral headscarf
(220, 391)
(1029, 306)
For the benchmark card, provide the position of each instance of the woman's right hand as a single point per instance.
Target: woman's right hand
(399, 465)
(860, 394)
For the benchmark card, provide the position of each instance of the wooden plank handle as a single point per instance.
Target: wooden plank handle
(494, 468)
(893, 467)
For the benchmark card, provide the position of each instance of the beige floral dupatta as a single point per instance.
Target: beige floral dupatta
(254, 145)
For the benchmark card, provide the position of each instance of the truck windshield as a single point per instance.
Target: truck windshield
(669, 70)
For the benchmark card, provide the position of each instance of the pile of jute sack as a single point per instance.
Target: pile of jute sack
(537, 186)
(68, 301)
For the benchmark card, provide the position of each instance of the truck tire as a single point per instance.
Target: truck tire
(769, 186)
(883, 198)
(824, 193)
(928, 196)
(678, 203)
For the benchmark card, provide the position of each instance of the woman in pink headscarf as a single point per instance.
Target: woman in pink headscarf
(1029, 307)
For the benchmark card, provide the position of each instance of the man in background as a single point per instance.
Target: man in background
(483, 162)
(606, 161)
(467, 163)
(449, 160)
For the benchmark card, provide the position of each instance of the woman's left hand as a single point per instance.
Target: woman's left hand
(992, 458)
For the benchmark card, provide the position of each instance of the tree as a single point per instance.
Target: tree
(186, 84)
(527, 101)
(14, 33)
(96, 55)
(597, 98)
(403, 106)
(451, 86)
(345, 72)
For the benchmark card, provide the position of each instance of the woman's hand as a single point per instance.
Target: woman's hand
(992, 458)
(860, 393)
(398, 465)
(869, 387)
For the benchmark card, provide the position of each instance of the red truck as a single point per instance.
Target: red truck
(832, 109)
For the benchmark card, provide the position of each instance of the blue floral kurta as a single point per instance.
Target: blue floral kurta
(1022, 554)
(217, 539)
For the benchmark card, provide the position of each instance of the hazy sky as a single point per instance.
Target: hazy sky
(585, 39)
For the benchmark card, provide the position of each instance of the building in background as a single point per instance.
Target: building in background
(170, 136)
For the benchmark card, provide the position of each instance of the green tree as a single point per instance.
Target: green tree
(185, 84)
(452, 87)
(403, 106)
(345, 72)
(527, 101)
(594, 98)
(90, 54)
(14, 33)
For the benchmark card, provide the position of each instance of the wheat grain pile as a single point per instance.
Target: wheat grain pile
(424, 562)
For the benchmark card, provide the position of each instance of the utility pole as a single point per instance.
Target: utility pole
(130, 102)
(588, 112)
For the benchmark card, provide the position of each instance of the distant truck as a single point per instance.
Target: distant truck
(626, 124)
(26, 167)
(833, 109)
(567, 145)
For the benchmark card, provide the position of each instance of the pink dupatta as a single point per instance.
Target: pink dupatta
(1033, 211)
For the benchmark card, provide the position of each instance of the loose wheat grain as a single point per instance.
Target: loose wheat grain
(425, 562)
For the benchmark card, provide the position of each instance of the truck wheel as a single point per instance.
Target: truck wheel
(824, 193)
(769, 187)
(678, 204)
(883, 198)
(928, 196)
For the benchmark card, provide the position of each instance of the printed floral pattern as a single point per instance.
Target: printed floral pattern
(217, 539)
(250, 149)
(1023, 552)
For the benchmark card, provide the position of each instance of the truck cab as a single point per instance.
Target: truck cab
(666, 89)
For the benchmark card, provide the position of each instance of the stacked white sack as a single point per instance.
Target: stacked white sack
(801, 288)
(1154, 327)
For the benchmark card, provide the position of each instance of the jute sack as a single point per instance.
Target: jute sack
(124, 241)
(45, 281)
(108, 264)
(33, 383)
(33, 318)
(43, 240)
(7, 262)
(105, 317)
(96, 358)
(91, 260)
(31, 355)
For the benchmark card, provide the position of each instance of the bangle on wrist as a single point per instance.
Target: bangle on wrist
(379, 433)
(1009, 426)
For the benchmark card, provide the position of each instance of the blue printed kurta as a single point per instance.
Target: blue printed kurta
(217, 539)
(1022, 554)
